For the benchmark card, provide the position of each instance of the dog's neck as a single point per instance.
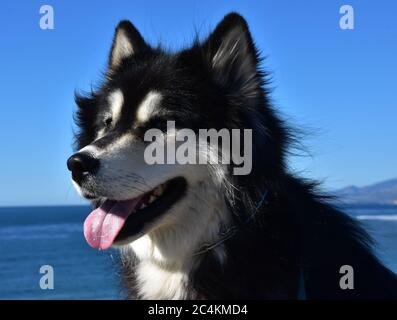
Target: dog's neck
(166, 255)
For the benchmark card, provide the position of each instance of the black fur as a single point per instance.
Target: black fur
(296, 234)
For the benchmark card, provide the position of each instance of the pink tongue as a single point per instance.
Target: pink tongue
(104, 223)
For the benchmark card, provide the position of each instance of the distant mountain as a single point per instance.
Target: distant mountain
(382, 193)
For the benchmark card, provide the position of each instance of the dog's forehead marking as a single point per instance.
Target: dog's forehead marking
(116, 100)
(148, 106)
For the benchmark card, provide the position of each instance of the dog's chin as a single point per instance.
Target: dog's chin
(152, 205)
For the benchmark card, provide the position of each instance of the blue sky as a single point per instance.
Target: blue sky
(339, 84)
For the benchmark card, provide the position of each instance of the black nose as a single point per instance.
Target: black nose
(82, 164)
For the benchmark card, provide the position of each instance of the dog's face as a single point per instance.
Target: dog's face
(200, 87)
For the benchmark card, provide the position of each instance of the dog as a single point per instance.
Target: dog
(198, 231)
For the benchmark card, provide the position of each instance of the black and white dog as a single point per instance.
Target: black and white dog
(189, 231)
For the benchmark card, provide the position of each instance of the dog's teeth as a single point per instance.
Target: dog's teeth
(151, 199)
(143, 205)
(158, 191)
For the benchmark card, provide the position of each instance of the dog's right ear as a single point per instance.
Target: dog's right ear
(127, 42)
(232, 56)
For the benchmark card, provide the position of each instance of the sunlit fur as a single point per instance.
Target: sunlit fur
(293, 234)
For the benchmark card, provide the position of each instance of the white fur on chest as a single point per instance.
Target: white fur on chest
(154, 280)
(166, 254)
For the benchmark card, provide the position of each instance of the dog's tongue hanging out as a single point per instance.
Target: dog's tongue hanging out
(104, 223)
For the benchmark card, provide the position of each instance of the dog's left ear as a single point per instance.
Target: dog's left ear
(127, 42)
(232, 55)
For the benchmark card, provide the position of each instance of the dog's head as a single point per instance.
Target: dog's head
(213, 84)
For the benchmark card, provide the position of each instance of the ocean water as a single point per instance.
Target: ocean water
(31, 237)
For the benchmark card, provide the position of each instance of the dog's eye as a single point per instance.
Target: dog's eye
(107, 122)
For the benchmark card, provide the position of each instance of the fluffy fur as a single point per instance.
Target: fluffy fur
(288, 240)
